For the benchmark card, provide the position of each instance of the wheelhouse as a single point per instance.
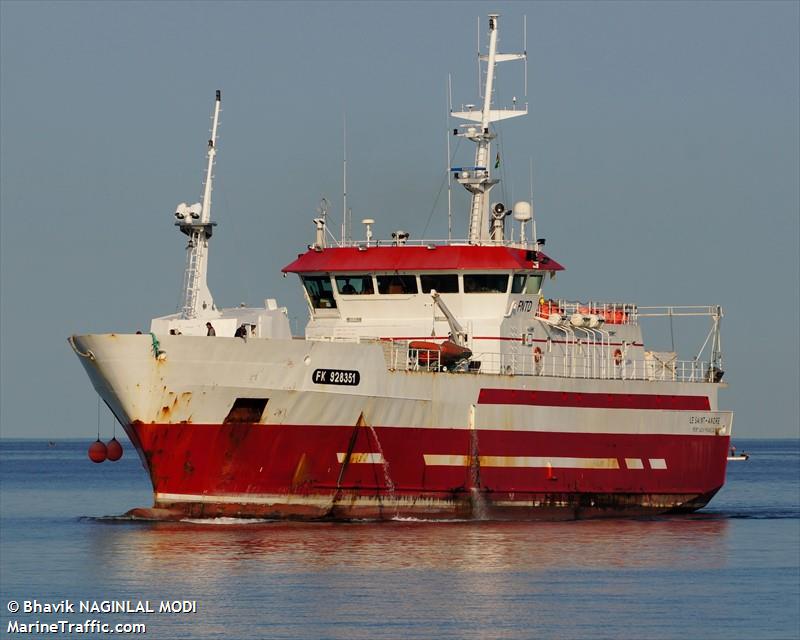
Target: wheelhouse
(386, 291)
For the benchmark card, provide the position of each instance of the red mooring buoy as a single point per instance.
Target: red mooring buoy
(97, 451)
(113, 450)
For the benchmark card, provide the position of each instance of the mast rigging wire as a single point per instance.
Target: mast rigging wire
(439, 192)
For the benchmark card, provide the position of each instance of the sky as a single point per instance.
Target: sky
(664, 139)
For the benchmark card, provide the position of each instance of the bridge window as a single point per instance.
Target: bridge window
(534, 284)
(442, 282)
(358, 285)
(486, 283)
(320, 291)
(397, 284)
(518, 283)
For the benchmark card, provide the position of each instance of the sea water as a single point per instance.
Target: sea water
(730, 571)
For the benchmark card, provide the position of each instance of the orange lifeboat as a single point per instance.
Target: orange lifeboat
(446, 353)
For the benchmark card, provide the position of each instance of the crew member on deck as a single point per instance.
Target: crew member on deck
(211, 331)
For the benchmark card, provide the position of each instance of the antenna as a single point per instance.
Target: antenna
(535, 237)
(478, 56)
(321, 225)
(344, 179)
(368, 222)
(212, 152)
(525, 49)
(447, 167)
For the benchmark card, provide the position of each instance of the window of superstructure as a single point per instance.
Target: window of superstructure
(485, 283)
(534, 284)
(441, 282)
(356, 285)
(397, 284)
(320, 291)
(518, 283)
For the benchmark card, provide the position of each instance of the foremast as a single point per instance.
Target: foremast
(478, 179)
(195, 221)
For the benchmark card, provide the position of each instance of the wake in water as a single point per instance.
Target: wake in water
(225, 521)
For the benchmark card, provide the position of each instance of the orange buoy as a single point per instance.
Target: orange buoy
(97, 451)
(113, 450)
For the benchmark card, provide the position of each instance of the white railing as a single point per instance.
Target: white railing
(433, 242)
(598, 365)
(677, 311)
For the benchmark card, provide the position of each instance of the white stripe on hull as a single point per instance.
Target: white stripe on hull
(527, 462)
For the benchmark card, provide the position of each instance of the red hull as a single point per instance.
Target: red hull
(258, 470)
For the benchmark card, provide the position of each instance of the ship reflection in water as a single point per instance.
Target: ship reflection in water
(408, 579)
(694, 541)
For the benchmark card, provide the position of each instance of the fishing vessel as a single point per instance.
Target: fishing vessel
(434, 379)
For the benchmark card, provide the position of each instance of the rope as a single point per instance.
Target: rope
(156, 344)
(441, 188)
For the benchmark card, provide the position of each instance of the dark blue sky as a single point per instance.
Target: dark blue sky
(664, 138)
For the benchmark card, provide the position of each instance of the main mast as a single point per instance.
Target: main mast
(477, 179)
(195, 221)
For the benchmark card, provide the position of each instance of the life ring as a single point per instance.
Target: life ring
(617, 357)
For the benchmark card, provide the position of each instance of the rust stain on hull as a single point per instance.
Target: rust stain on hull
(179, 404)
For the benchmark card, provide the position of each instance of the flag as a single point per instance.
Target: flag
(497, 161)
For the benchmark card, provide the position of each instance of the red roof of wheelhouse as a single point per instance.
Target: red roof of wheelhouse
(420, 258)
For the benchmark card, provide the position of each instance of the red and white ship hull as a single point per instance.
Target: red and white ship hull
(400, 443)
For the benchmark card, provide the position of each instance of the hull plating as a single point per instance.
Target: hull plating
(295, 471)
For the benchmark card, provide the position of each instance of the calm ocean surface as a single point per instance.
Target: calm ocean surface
(731, 571)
